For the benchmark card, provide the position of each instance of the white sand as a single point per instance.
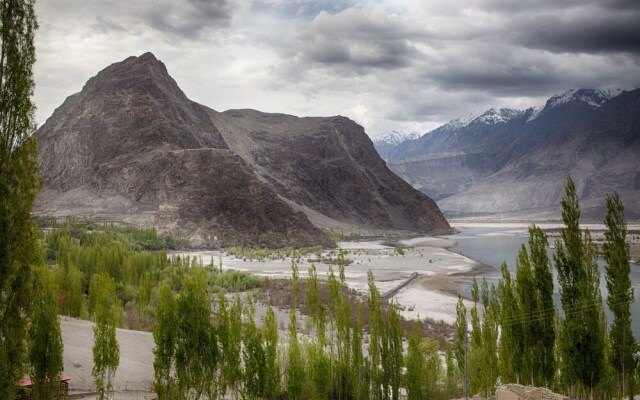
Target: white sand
(428, 257)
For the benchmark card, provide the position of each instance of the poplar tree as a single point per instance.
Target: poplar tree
(544, 365)
(19, 183)
(45, 352)
(164, 336)
(451, 379)
(359, 371)
(253, 356)
(461, 343)
(527, 309)
(295, 374)
(511, 339)
(106, 350)
(476, 369)
(416, 370)
(620, 295)
(581, 343)
(272, 366)
(375, 319)
(489, 337)
(196, 345)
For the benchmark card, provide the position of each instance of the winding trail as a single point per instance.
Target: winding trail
(390, 293)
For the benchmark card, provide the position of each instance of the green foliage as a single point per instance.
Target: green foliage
(543, 335)
(620, 296)
(45, 347)
(581, 341)
(106, 351)
(260, 254)
(461, 336)
(416, 370)
(164, 336)
(451, 379)
(83, 249)
(230, 342)
(195, 344)
(19, 183)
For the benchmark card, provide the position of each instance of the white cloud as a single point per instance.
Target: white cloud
(403, 65)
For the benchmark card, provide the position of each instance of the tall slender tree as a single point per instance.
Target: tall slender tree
(543, 358)
(620, 295)
(106, 350)
(295, 374)
(45, 347)
(164, 335)
(19, 183)
(511, 345)
(581, 343)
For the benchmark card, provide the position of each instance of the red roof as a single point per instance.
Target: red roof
(26, 381)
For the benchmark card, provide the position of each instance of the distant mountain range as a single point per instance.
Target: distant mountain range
(507, 163)
(386, 142)
(131, 147)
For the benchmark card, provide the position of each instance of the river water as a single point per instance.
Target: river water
(493, 245)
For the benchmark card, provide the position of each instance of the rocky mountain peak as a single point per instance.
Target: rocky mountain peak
(132, 147)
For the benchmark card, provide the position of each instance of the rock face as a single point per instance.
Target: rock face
(132, 147)
(510, 163)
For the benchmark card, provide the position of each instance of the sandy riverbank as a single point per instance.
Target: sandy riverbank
(441, 273)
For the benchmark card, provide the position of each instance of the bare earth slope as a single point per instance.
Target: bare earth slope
(328, 165)
(132, 147)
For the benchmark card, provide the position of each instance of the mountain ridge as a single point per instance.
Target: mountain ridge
(131, 147)
(505, 168)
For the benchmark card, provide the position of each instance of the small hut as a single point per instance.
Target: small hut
(26, 386)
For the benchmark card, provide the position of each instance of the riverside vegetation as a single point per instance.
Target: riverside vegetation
(524, 339)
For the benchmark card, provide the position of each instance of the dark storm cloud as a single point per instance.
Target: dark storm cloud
(188, 19)
(352, 42)
(598, 33)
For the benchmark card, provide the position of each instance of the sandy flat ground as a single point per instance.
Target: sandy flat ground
(441, 273)
(135, 371)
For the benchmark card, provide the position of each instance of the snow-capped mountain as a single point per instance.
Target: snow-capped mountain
(387, 141)
(488, 117)
(505, 161)
(594, 98)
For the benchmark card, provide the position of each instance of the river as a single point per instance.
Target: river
(494, 244)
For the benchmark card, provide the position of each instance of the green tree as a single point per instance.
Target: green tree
(543, 330)
(106, 350)
(511, 341)
(295, 374)
(253, 356)
(196, 345)
(230, 342)
(375, 350)
(416, 370)
(461, 343)
(620, 296)
(19, 183)
(45, 347)
(527, 308)
(359, 372)
(581, 344)
(164, 336)
(451, 379)
(272, 366)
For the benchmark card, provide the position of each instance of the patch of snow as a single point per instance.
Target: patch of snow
(593, 98)
(395, 137)
(489, 117)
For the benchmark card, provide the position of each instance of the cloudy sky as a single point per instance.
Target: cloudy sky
(388, 64)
